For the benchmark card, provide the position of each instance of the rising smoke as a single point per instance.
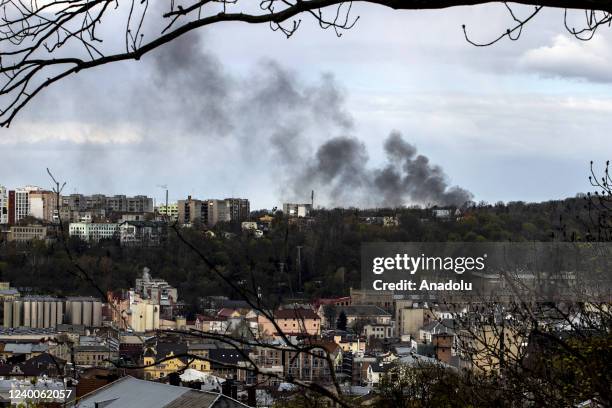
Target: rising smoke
(339, 169)
(182, 101)
(276, 116)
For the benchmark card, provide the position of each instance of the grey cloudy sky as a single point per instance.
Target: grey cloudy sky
(242, 111)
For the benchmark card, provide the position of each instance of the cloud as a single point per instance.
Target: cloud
(568, 57)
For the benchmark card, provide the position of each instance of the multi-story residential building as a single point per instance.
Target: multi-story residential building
(239, 208)
(101, 355)
(142, 233)
(4, 205)
(297, 210)
(21, 206)
(26, 233)
(217, 211)
(93, 231)
(11, 207)
(170, 211)
(116, 203)
(210, 212)
(43, 205)
(292, 321)
(189, 211)
(311, 366)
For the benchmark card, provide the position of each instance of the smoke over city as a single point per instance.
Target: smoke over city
(340, 169)
(276, 117)
(182, 104)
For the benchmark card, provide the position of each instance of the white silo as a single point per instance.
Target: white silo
(40, 314)
(97, 314)
(76, 312)
(17, 306)
(59, 306)
(52, 314)
(8, 314)
(27, 310)
(47, 313)
(87, 312)
(68, 311)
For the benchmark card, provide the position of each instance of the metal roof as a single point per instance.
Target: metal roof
(134, 393)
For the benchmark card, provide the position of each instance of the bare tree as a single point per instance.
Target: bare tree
(43, 42)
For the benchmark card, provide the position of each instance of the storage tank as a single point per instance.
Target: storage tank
(47, 314)
(87, 312)
(76, 309)
(40, 306)
(27, 310)
(52, 314)
(8, 314)
(97, 314)
(32, 314)
(68, 311)
(17, 306)
(59, 306)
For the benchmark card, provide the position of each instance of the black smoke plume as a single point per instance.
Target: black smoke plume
(339, 170)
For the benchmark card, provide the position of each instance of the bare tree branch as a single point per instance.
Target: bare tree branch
(41, 44)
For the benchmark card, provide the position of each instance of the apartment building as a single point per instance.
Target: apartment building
(210, 212)
(170, 211)
(43, 205)
(142, 233)
(21, 204)
(93, 231)
(116, 203)
(239, 208)
(311, 366)
(27, 233)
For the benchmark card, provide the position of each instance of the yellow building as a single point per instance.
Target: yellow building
(167, 358)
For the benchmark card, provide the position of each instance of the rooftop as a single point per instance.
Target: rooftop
(134, 393)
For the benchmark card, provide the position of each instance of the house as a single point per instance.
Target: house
(351, 343)
(291, 321)
(375, 371)
(164, 358)
(95, 355)
(355, 313)
(283, 361)
(211, 324)
(378, 330)
(224, 362)
(446, 326)
(134, 393)
(34, 368)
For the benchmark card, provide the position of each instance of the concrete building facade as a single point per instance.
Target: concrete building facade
(93, 231)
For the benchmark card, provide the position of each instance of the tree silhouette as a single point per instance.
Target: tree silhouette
(44, 42)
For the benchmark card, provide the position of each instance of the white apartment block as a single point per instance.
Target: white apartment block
(92, 231)
(22, 201)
